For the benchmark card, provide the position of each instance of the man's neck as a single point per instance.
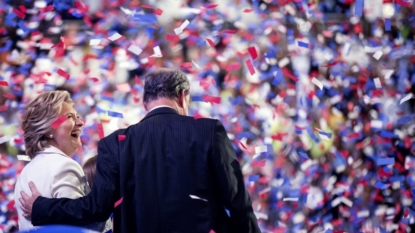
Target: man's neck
(162, 102)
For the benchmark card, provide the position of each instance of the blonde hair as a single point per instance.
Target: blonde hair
(39, 114)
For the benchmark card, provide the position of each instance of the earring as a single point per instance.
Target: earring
(51, 136)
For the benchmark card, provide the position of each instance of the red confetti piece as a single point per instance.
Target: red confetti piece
(18, 140)
(3, 108)
(19, 13)
(8, 96)
(10, 205)
(212, 231)
(210, 42)
(59, 121)
(172, 37)
(289, 75)
(243, 146)
(4, 83)
(94, 79)
(121, 137)
(212, 6)
(89, 56)
(63, 74)
(73, 61)
(248, 10)
(331, 64)
(253, 53)
(250, 67)
(100, 129)
(211, 99)
(137, 80)
(228, 31)
(23, 9)
(147, 7)
(258, 163)
(118, 202)
(353, 136)
(158, 11)
(234, 66)
(48, 8)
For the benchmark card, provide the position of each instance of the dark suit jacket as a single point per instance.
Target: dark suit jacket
(163, 160)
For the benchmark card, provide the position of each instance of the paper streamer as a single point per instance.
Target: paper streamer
(59, 121)
(250, 66)
(117, 203)
(317, 82)
(406, 98)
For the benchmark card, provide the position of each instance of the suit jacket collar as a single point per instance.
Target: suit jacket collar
(162, 110)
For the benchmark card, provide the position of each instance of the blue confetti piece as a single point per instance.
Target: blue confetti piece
(253, 178)
(358, 8)
(303, 155)
(277, 79)
(387, 24)
(115, 114)
(303, 44)
(413, 191)
(386, 134)
(404, 120)
(227, 212)
(197, 98)
(312, 135)
(396, 178)
(382, 186)
(107, 98)
(384, 161)
(329, 135)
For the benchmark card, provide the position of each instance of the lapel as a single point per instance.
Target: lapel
(162, 110)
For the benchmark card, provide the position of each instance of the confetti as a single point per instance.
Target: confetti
(387, 24)
(172, 37)
(290, 199)
(250, 66)
(135, 49)
(317, 82)
(253, 53)
(180, 29)
(115, 114)
(157, 52)
(283, 62)
(303, 44)
(211, 99)
(248, 10)
(382, 186)
(59, 121)
(234, 66)
(121, 137)
(114, 36)
(406, 98)
(94, 42)
(23, 158)
(384, 161)
(4, 83)
(358, 8)
(63, 74)
(197, 198)
(123, 87)
(100, 130)
(210, 42)
(377, 55)
(253, 178)
(212, 6)
(260, 149)
(117, 203)
(258, 163)
(158, 11)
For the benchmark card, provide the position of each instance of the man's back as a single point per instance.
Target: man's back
(167, 176)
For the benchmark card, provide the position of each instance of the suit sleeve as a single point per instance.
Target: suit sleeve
(96, 206)
(68, 180)
(230, 181)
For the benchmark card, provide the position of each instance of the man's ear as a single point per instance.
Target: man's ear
(181, 98)
(145, 106)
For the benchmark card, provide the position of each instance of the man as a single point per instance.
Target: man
(171, 173)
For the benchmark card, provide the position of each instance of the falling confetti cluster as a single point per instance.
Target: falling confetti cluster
(316, 96)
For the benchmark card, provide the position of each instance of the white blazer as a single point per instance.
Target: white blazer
(55, 175)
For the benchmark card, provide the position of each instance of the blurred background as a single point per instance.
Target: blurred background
(314, 95)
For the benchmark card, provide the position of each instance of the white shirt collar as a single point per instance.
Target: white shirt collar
(160, 106)
(52, 150)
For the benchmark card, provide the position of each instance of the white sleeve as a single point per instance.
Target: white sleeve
(69, 180)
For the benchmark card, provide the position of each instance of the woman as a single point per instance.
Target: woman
(52, 131)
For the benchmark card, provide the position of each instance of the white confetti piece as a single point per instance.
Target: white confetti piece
(363, 214)
(198, 198)
(23, 157)
(388, 74)
(406, 98)
(94, 42)
(317, 82)
(265, 190)
(290, 199)
(233, 120)
(4, 139)
(377, 83)
(346, 48)
(135, 49)
(182, 27)
(260, 149)
(115, 36)
(347, 202)
(336, 202)
(283, 62)
(376, 124)
(377, 55)
(196, 65)
(157, 52)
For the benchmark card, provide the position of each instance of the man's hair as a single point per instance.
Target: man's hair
(164, 82)
(90, 168)
(39, 114)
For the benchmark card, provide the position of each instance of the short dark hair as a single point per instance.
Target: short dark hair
(164, 82)
(90, 168)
